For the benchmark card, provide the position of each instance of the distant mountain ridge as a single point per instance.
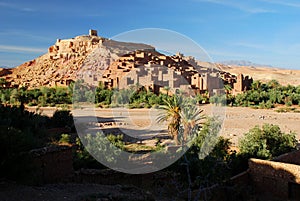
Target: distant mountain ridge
(243, 63)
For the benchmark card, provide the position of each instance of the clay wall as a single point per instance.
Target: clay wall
(274, 178)
(53, 164)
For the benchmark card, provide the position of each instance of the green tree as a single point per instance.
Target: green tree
(103, 95)
(227, 88)
(105, 148)
(267, 142)
(273, 84)
(79, 91)
(171, 114)
(256, 85)
(14, 96)
(207, 162)
(207, 137)
(240, 100)
(5, 95)
(191, 118)
(253, 96)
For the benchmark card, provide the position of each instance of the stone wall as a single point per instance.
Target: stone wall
(241, 179)
(53, 164)
(292, 157)
(69, 49)
(274, 178)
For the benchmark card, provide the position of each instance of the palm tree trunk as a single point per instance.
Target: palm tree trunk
(175, 137)
(185, 134)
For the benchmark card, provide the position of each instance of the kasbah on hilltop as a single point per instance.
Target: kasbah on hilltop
(64, 63)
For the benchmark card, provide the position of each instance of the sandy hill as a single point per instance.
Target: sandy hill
(66, 58)
(5, 72)
(284, 76)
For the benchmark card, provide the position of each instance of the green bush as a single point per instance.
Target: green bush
(100, 146)
(83, 159)
(208, 160)
(289, 103)
(65, 138)
(266, 95)
(267, 105)
(116, 140)
(267, 142)
(43, 96)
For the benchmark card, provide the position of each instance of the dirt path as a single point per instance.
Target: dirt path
(71, 192)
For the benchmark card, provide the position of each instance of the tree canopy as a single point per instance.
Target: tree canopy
(267, 142)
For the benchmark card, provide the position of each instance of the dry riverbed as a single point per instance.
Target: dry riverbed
(237, 121)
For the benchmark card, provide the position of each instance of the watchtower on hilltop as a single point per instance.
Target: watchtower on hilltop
(93, 32)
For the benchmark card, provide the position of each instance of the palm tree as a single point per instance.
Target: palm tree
(227, 88)
(171, 114)
(256, 85)
(191, 117)
(273, 84)
(178, 112)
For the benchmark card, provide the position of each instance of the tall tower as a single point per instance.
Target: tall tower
(239, 83)
(93, 32)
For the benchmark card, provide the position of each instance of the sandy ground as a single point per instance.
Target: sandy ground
(240, 119)
(265, 74)
(142, 122)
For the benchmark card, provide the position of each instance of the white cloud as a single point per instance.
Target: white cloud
(21, 49)
(283, 3)
(239, 5)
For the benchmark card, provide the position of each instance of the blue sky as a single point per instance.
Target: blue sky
(261, 31)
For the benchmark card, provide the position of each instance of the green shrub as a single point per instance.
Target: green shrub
(289, 103)
(100, 146)
(267, 142)
(65, 138)
(33, 103)
(116, 140)
(83, 159)
(269, 105)
(282, 110)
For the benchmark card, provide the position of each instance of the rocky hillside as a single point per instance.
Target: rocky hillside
(5, 72)
(61, 64)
